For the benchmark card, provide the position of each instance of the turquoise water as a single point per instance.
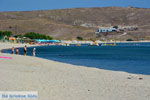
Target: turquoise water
(132, 58)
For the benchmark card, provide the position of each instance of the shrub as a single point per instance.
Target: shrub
(129, 40)
(116, 27)
(79, 38)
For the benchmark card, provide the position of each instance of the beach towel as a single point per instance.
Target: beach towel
(5, 57)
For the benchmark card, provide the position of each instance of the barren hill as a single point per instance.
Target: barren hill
(70, 23)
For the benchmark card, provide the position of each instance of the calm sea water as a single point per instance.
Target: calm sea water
(127, 57)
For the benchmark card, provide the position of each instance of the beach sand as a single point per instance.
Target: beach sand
(60, 81)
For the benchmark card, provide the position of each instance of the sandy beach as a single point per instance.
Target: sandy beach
(59, 81)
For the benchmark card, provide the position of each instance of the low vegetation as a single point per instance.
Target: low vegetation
(30, 35)
(129, 40)
(33, 35)
(79, 38)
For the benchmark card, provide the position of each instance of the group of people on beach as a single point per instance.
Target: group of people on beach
(16, 51)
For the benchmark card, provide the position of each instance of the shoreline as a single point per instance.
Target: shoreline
(130, 41)
(60, 81)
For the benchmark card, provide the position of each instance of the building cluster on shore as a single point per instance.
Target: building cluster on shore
(116, 29)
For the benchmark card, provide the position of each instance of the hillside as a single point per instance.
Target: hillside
(70, 23)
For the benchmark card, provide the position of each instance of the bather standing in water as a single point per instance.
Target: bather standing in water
(17, 51)
(34, 51)
(12, 50)
(25, 50)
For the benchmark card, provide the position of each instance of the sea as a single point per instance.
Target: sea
(127, 57)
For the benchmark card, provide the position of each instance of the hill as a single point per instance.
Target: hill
(70, 23)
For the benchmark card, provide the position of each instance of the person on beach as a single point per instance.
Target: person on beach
(25, 50)
(34, 51)
(12, 50)
(17, 51)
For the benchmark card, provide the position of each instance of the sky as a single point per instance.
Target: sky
(29, 5)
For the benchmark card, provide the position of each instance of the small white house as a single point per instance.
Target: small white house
(103, 30)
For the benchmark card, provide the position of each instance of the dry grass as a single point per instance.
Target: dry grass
(65, 23)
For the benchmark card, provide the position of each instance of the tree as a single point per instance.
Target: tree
(5, 34)
(1, 35)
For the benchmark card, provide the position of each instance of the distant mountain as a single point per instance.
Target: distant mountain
(70, 23)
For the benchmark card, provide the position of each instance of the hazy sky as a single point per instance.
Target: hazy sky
(25, 5)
